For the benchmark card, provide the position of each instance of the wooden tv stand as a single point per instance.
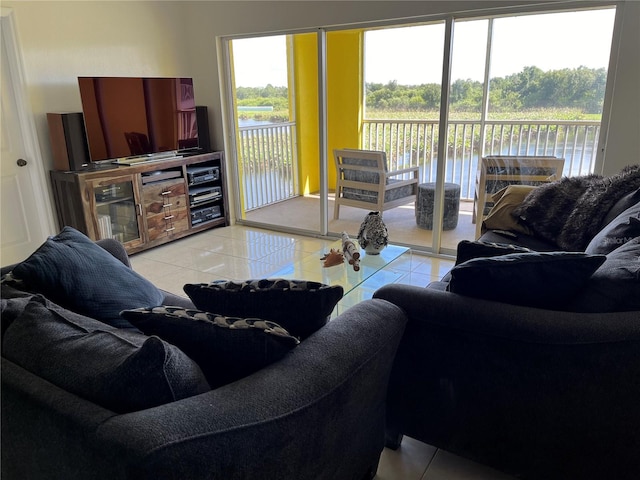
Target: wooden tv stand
(146, 204)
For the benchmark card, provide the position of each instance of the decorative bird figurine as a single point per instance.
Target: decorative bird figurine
(373, 235)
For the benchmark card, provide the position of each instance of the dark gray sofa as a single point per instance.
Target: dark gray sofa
(538, 393)
(316, 414)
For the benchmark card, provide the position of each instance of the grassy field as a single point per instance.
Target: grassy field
(279, 116)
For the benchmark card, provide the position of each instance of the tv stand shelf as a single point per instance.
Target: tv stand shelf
(146, 204)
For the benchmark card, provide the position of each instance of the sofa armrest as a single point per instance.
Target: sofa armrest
(115, 248)
(495, 319)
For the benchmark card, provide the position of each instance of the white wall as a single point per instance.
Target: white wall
(63, 40)
(623, 141)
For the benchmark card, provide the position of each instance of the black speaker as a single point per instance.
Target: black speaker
(204, 139)
(68, 141)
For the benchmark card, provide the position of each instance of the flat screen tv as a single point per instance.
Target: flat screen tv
(137, 118)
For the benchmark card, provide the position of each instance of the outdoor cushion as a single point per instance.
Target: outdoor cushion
(538, 279)
(300, 306)
(506, 201)
(226, 348)
(374, 179)
(74, 272)
(120, 370)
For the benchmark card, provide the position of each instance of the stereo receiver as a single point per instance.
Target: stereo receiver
(204, 194)
(205, 214)
(197, 175)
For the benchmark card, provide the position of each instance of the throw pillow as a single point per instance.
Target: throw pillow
(120, 370)
(538, 279)
(546, 210)
(615, 286)
(300, 306)
(501, 216)
(619, 231)
(468, 250)
(74, 272)
(569, 212)
(226, 348)
(621, 205)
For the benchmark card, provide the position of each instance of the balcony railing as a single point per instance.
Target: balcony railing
(269, 164)
(415, 143)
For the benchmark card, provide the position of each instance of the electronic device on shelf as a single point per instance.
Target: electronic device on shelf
(197, 175)
(205, 214)
(200, 195)
(127, 118)
(159, 175)
(147, 158)
(109, 192)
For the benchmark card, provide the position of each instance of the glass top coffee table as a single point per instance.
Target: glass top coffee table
(310, 268)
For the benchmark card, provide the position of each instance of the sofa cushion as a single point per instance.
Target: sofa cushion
(74, 272)
(520, 239)
(501, 216)
(619, 231)
(539, 279)
(615, 286)
(12, 303)
(468, 250)
(300, 306)
(621, 205)
(226, 348)
(118, 369)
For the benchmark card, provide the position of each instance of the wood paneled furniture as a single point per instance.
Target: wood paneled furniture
(498, 172)
(145, 204)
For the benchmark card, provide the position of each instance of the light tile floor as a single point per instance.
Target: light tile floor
(240, 253)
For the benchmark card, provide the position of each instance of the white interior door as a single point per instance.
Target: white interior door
(24, 223)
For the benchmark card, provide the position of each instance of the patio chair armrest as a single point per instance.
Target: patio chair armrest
(403, 171)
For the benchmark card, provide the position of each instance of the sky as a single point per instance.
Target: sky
(549, 41)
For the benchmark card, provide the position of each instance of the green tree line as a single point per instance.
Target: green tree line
(580, 89)
(277, 97)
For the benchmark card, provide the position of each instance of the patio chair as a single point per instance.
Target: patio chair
(364, 181)
(499, 171)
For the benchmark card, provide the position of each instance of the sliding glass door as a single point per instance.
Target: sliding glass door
(527, 85)
(275, 125)
(437, 95)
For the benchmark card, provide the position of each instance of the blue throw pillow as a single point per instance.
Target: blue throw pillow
(74, 272)
(538, 279)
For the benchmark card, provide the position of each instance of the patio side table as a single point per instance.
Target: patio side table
(425, 202)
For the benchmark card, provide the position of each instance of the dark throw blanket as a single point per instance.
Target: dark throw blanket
(569, 212)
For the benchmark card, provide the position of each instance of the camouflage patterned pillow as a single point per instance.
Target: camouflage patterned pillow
(225, 348)
(300, 306)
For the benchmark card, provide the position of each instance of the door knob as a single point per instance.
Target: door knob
(21, 162)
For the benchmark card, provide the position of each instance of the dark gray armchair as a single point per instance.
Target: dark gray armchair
(536, 393)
